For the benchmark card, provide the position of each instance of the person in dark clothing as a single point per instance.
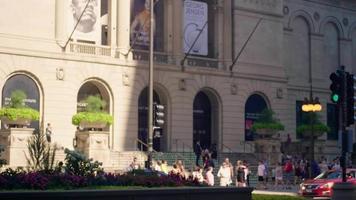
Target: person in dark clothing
(214, 153)
(197, 152)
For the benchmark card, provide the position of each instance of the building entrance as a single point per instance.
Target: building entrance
(202, 120)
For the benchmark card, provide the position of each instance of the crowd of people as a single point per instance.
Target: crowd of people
(289, 171)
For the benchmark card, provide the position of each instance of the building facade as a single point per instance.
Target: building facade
(291, 44)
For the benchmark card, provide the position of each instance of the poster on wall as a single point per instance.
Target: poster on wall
(89, 26)
(141, 24)
(195, 19)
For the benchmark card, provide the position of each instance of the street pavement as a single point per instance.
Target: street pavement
(271, 190)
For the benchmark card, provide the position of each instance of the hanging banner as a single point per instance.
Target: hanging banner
(89, 26)
(195, 21)
(141, 24)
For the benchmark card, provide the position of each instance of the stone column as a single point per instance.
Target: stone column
(112, 36)
(60, 20)
(14, 141)
(123, 27)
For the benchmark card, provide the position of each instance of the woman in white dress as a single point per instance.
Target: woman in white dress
(224, 174)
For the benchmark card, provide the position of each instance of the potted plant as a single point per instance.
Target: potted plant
(93, 117)
(312, 123)
(267, 125)
(17, 114)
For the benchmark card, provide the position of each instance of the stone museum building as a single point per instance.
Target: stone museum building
(217, 65)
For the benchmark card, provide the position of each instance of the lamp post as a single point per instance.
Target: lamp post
(311, 106)
(150, 92)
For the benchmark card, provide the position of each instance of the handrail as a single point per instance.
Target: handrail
(228, 148)
(248, 144)
(144, 144)
(190, 148)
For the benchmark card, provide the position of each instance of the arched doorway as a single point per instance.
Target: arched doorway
(143, 120)
(255, 104)
(202, 120)
(29, 86)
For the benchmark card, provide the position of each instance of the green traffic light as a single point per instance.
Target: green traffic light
(335, 98)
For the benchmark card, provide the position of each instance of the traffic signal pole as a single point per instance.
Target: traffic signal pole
(343, 107)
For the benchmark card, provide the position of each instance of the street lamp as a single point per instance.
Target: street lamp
(311, 106)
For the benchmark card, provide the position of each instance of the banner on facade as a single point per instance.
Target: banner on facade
(141, 24)
(89, 26)
(195, 19)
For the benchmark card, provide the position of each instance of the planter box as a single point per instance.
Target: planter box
(15, 142)
(84, 125)
(266, 133)
(95, 145)
(18, 123)
(307, 134)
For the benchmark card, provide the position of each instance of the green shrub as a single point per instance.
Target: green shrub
(17, 99)
(94, 104)
(78, 164)
(93, 112)
(41, 153)
(318, 126)
(92, 117)
(19, 113)
(17, 108)
(267, 121)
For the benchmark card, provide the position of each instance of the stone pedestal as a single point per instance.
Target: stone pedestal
(342, 191)
(14, 141)
(95, 145)
(268, 149)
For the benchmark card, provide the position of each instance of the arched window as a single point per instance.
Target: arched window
(255, 104)
(26, 84)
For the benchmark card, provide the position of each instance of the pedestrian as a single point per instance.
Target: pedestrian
(224, 174)
(197, 175)
(279, 175)
(247, 173)
(49, 133)
(197, 151)
(260, 173)
(164, 167)
(135, 165)
(209, 177)
(240, 174)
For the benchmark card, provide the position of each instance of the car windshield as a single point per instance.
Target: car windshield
(329, 175)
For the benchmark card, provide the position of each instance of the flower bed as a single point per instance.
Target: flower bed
(41, 180)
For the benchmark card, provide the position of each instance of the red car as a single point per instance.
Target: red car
(321, 186)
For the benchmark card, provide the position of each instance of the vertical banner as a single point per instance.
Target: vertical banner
(194, 18)
(141, 24)
(89, 26)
